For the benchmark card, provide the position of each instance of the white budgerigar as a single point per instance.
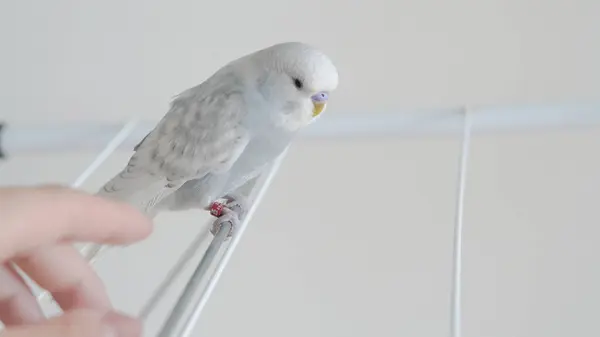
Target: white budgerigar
(221, 134)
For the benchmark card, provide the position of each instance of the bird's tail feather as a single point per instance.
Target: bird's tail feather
(142, 191)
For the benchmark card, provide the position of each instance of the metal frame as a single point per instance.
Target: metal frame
(17, 139)
(186, 312)
(188, 308)
(456, 288)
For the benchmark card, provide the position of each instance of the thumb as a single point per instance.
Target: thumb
(80, 323)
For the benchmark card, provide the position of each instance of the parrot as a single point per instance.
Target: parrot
(220, 135)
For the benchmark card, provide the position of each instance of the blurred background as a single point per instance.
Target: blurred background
(354, 236)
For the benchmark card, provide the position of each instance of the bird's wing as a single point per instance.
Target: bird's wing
(200, 134)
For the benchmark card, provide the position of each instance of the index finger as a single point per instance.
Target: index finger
(31, 217)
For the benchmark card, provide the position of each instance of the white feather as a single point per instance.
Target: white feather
(220, 134)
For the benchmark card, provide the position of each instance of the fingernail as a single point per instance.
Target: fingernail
(119, 325)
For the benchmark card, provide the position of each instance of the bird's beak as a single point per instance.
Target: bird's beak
(319, 102)
(318, 108)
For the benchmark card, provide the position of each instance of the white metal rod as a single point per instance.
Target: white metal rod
(15, 139)
(181, 322)
(187, 255)
(110, 148)
(173, 324)
(456, 293)
(168, 280)
(100, 158)
(22, 139)
(212, 282)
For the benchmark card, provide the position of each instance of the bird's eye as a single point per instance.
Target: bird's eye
(298, 84)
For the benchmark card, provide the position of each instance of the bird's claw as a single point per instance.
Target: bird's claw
(220, 221)
(233, 210)
(237, 203)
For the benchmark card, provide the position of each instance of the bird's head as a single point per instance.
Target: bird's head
(298, 78)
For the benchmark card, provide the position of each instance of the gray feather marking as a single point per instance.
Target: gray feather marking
(135, 148)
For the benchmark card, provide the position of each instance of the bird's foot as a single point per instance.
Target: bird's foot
(233, 210)
(233, 202)
(237, 203)
(230, 217)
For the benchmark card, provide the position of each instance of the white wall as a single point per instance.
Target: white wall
(106, 60)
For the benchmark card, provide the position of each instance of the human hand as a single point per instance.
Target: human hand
(37, 228)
